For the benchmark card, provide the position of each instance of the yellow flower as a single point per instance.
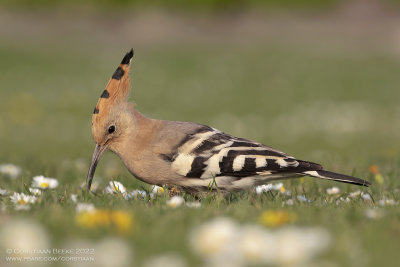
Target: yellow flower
(276, 218)
(121, 220)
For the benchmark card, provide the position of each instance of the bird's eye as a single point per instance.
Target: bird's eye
(111, 129)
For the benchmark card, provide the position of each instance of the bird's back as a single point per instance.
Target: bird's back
(197, 156)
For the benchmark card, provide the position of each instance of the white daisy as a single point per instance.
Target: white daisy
(333, 190)
(44, 182)
(22, 201)
(355, 194)
(297, 246)
(269, 187)
(217, 242)
(175, 201)
(366, 196)
(194, 204)
(115, 187)
(3, 192)
(387, 202)
(112, 251)
(288, 202)
(214, 236)
(256, 244)
(10, 170)
(223, 242)
(156, 191)
(36, 192)
(24, 236)
(74, 198)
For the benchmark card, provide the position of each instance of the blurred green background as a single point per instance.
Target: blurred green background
(316, 79)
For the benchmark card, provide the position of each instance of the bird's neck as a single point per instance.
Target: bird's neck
(138, 135)
(135, 146)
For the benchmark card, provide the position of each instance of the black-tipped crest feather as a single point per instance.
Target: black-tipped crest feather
(118, 74)
(127, 58)
(105, 94)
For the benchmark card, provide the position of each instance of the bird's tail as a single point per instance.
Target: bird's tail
(337, 177)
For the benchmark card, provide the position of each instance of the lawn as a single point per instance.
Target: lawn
(335, 106)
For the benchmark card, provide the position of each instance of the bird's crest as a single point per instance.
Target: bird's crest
(117, 89)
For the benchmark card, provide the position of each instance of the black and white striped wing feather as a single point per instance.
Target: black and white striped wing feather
(209, 153)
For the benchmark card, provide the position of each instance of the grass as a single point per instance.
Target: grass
(339, 108)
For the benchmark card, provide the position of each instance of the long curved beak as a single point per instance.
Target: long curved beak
(98, 151)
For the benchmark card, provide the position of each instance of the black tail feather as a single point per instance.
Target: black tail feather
(337, 177)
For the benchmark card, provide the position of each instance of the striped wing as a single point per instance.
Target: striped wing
(208, 153)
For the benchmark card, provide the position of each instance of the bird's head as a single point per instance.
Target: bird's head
(110, 116)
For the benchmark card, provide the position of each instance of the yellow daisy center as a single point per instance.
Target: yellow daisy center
(22, 202)
(160, 190)
(116, 188)
(44, 185)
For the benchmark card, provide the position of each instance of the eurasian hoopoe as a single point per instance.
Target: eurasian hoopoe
(192, 156)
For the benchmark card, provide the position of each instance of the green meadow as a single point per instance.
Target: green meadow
(318, 99)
